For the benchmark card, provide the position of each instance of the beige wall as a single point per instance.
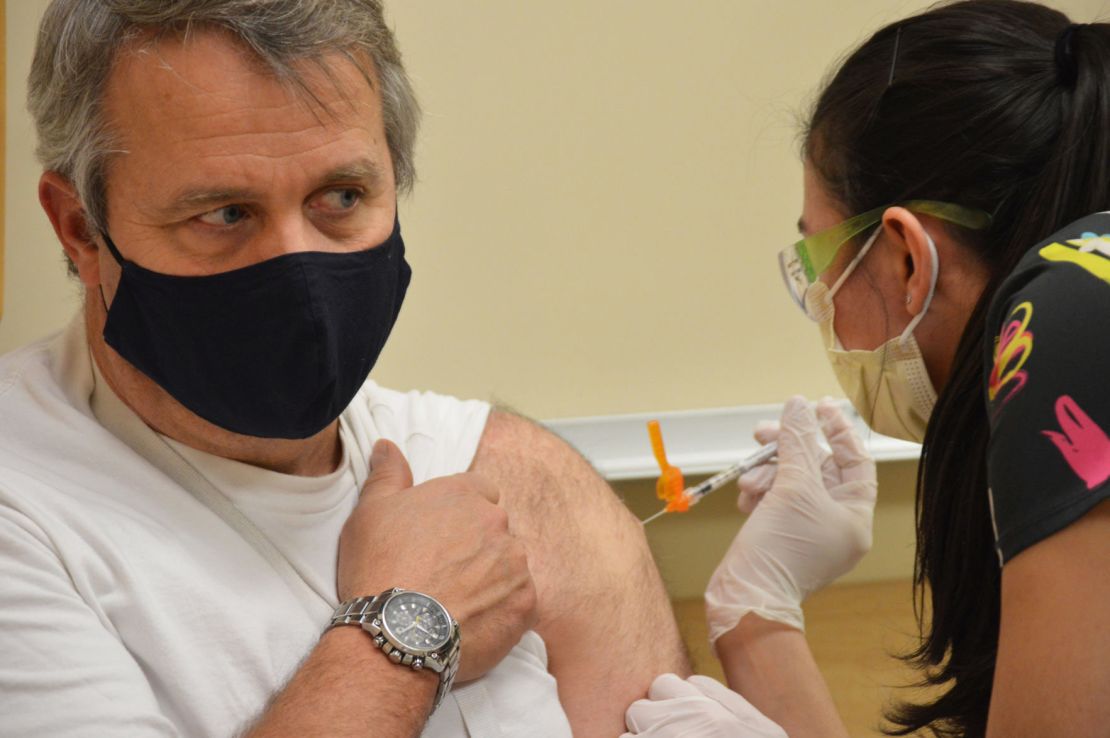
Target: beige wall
(604, 185)
(37, 296)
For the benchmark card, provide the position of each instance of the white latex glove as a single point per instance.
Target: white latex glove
(698, 706)
(810, 520)
(758, 481)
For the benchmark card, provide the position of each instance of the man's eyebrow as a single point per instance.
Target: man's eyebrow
(362, 170)
(202, 198)
(198, 199)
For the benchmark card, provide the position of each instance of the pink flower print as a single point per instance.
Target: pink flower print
(1085, 446)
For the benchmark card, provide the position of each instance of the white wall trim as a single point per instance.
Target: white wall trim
(698, 441)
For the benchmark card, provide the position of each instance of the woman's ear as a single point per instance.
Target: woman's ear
(59, 199)
(906, 233)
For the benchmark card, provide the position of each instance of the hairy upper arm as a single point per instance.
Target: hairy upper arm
(1053, 672)
(603, 612)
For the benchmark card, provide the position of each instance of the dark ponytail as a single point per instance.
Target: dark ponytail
(1002, 106)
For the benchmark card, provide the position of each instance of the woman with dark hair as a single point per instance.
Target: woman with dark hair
(957, 258)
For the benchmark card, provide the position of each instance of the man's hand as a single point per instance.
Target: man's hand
(446, 538)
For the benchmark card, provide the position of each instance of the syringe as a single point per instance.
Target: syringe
(695, 494)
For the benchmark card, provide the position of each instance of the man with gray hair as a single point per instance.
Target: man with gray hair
(211, 522)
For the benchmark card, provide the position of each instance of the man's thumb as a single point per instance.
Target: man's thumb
(389, 470)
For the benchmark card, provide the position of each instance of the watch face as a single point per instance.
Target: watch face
(416, 621)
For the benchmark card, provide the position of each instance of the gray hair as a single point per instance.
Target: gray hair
(79, 39)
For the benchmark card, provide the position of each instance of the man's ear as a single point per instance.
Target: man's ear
(59, 199)
(906, 233)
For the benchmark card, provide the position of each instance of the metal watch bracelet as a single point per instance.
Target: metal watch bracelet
(366, 612)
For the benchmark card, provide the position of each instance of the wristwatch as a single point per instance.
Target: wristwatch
(411, 628)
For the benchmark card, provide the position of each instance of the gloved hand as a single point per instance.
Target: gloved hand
(810, 520)
(698, 706)
(758, 482)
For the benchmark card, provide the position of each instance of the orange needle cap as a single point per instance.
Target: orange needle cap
(671, 485)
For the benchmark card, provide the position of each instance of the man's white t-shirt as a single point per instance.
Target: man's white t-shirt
(130, 606)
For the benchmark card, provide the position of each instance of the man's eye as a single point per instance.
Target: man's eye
(225, 216)
(343, 199)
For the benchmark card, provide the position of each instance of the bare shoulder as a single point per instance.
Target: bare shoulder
(552, 493)
(511, 440)
(540, 472)
(508, 438)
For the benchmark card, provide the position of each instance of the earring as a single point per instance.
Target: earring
(909, 299)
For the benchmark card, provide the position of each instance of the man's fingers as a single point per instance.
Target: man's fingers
(484, 487)
(389, 470)
(470, 483)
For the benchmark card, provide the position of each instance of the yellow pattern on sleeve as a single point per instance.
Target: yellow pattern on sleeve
(1089, 255)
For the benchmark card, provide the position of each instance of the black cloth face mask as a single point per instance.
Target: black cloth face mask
(275, 350)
